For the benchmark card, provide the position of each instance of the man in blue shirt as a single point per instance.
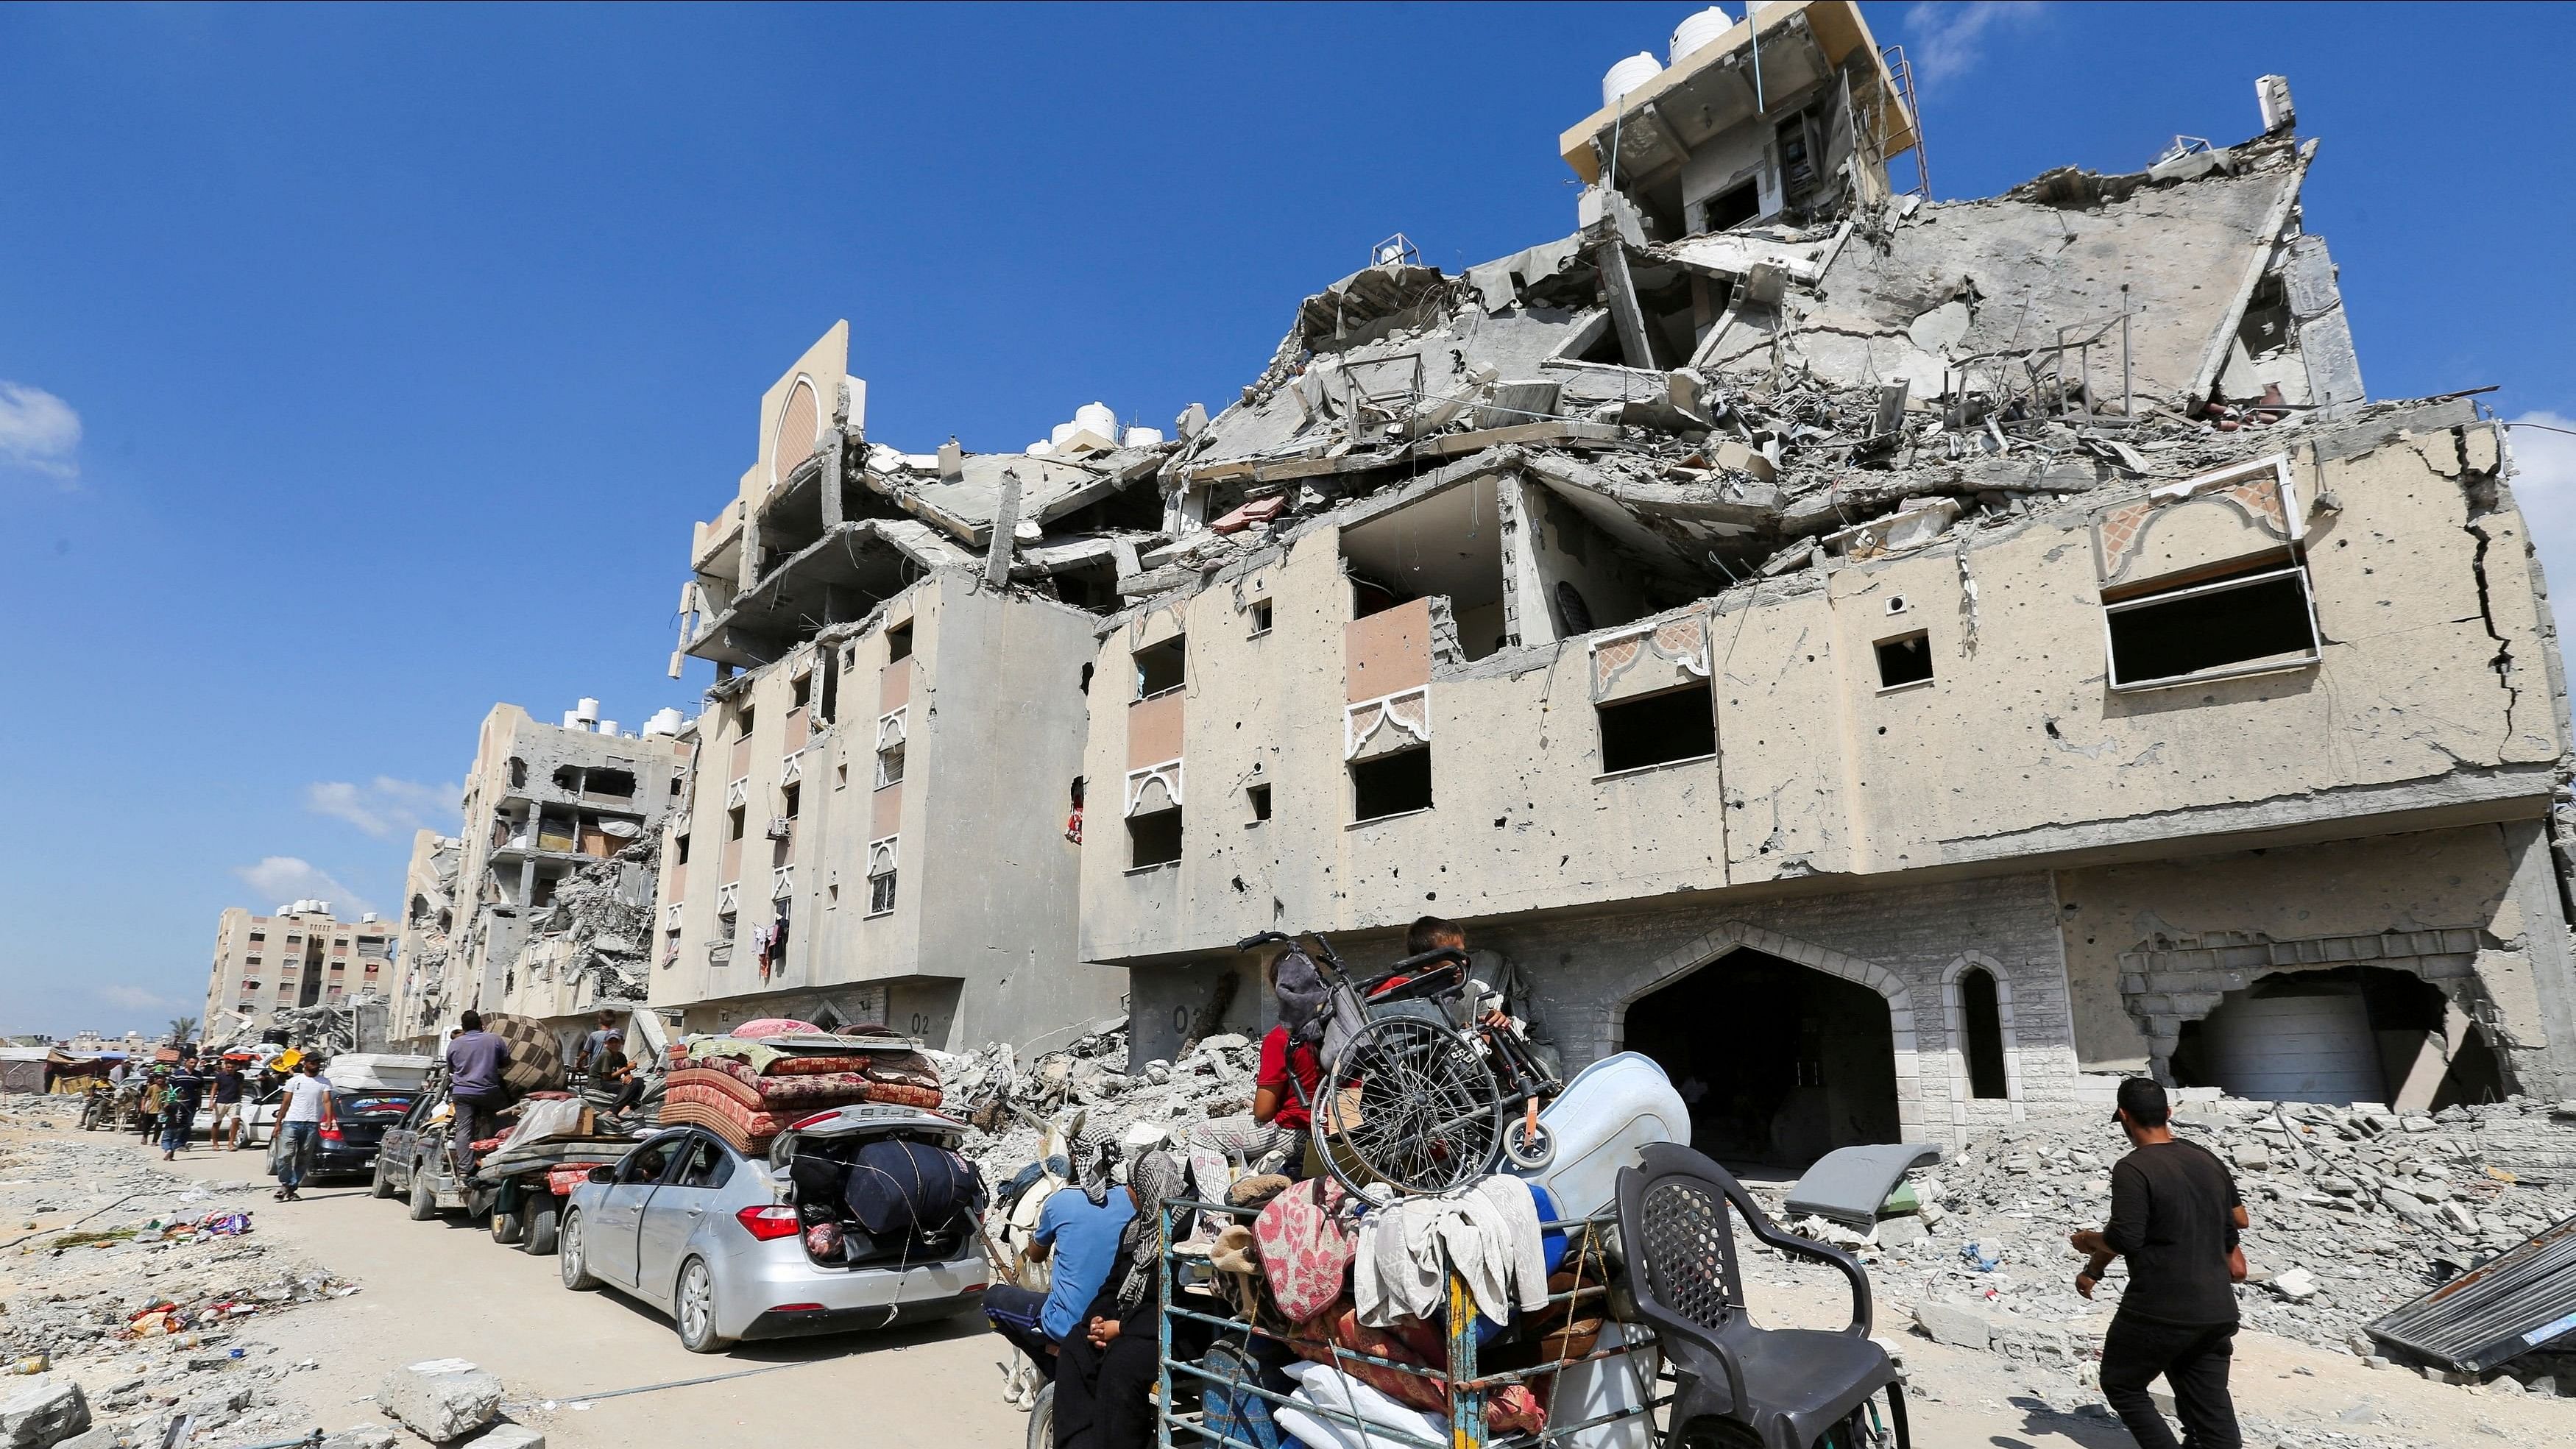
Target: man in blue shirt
(1078, 1230)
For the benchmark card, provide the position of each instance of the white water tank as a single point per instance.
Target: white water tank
(1698, 29)
(1062, 433)
(1140, 438)
(1097, 419)
(1629, 74)
(665, 721)
(608, 727)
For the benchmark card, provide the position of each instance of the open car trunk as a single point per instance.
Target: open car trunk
(814, 1159)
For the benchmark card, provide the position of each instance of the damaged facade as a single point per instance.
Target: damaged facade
(1893, 661)
(267, 967)
(514, 915)
(876, 823)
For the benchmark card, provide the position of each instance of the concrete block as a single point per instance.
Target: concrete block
(1902, 1232)
(362, 1436)
(441, 1399)
(102, 1436)
(506, 1435)
(1955, 1327)
(42, 1413)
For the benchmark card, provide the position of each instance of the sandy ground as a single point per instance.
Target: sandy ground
(443, 1289)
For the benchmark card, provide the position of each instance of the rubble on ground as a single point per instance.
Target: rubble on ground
(134, 1283)
(1008, 1102)
(2355, 1211)
(442, 1400)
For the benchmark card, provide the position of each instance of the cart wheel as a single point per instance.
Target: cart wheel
(509, 1228)
(1428, 1114)
(1042, 1419)
(540, 1241)
(1530, 1145)
(424, 1202)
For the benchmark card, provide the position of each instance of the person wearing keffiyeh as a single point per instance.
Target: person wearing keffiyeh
(1106, 1370)
(1079, 1231)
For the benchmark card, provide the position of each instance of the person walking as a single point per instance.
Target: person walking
(179, 1111)
(305, 1109)
(475, 1058)
(2175, 1216)
(147, 1106)
(228, 1097)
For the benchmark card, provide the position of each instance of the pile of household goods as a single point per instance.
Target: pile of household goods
(884, 1186)
(751, 1083)
(1340, 1299)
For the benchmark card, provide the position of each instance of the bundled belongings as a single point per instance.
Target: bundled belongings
(377, 1072)
(745, 1089)
(535, 1062)
(874, 1183)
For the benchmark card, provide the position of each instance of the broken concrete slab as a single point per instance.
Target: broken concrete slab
(441, 1399)
(506, 1435)
(42, 1413)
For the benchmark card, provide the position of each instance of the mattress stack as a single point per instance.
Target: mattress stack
(747, 1090)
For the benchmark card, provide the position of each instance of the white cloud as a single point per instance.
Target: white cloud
(385, 806)
(132, 998)
(283, 878)
(39, 432)
(1945, 39)
(2544, 486)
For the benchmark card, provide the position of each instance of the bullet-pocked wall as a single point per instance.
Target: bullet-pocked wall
(1956, 709)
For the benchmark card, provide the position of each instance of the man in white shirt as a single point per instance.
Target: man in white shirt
(305, 1108)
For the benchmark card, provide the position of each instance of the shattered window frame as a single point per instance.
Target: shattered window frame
(2295, 572)
(1176, 648)
(1261, 618)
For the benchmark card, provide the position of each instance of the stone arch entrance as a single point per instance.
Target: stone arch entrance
(1784, 1050)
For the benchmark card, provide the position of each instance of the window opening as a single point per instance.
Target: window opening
(1154, 838)
(518, 773)
(881, 892)
(898, 643)
(1391, 784)
(1657, 729)
(890, 765)
(1981, 1022)
(680, 849)
(1732, 207)
(1082, 683)
(1905, 659)
(2246, 624)
(800, 692)
(1260, 617)
(618, 783)
(1259, 796)
(1162, 667)
(743, 721)
(733, 823)
(790, 796)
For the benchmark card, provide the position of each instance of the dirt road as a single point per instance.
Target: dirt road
(571, 1361)
(445, 1290)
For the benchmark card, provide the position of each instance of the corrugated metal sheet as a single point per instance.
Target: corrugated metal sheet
(2494, 1313)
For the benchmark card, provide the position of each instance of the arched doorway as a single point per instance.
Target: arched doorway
(1779, 1063)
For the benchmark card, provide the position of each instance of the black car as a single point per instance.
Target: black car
(349, 1143)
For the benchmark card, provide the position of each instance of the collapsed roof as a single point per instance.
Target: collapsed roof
(1716, 403)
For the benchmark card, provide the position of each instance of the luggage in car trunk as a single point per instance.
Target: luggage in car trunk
(877, 1184)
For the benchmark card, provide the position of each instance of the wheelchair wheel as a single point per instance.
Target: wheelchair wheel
(1410, 1103)
(1530, 1145)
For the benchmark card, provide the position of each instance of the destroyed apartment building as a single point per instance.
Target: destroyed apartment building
(539, 907)
(1897, 663)
(882, 815)
(294, 968)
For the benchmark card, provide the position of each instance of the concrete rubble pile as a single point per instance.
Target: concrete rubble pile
(2355, 1210)
(599, 929)
(354, 1024)
(1008, 1103)
(132, 1286)
(1865, 384)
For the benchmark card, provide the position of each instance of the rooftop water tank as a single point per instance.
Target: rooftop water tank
(1698, 29)
(1096, 418)
(1140, 438)
(1627, 75)
(1061, 432)
(665, 721)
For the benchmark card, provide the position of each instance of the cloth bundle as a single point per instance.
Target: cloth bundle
(773, 1094)
(1337, 1336)
(747, 1129)
(1487, 1231)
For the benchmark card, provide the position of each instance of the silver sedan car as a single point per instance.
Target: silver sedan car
(685, 1224)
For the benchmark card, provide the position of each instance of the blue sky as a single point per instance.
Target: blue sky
(362, 367)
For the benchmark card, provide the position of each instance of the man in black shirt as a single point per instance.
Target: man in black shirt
(2174, 1216)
